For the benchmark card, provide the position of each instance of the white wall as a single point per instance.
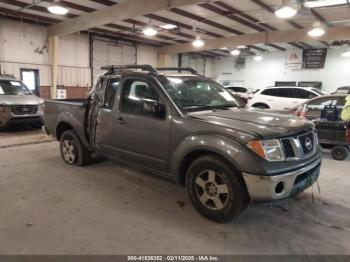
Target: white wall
(261, 74)
(26, 46)
(147, 55)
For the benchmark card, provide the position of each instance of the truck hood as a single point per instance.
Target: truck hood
(20, 100)
(258, 121)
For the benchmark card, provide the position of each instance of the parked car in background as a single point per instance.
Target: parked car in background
(282, 98)
(18, 105)
(343, 90)
(243, 93)
(312, 108)
(189, 128)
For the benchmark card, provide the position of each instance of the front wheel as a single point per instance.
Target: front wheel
(215, 189)
(73, 152)
(339, 153)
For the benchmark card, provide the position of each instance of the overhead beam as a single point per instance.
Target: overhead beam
(270, 37)
(116, 13)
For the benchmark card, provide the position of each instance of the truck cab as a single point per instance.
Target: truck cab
(189, 128)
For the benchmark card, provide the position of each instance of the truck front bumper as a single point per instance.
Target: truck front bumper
(267, 188)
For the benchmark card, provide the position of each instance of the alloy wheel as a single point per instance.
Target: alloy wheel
(211, 190)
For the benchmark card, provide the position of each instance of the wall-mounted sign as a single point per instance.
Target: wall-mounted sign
(306, 59)
(314, 58)
(61, 94)
(294, 59)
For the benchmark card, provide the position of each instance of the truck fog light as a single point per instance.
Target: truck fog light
(279, 187)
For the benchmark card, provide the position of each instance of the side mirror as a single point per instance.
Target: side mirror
(153, 107)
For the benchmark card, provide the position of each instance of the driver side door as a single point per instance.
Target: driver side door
(139, 135)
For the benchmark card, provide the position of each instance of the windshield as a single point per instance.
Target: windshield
(191, 93)
(13, 87)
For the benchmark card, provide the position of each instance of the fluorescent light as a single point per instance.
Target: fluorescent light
(322, 3)
(150, 31)
(286, 11)
(241, 47)
(258, 58)
(316, 31)
(57, 8)
(168, 26)
(224, 48)
(346, 53)
(235, 52)
(198, 42)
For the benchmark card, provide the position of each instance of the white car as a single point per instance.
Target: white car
(282, 98)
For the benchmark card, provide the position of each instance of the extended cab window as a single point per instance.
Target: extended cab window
(111, 91)
(135, 94)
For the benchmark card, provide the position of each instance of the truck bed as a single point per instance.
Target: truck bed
(68, 111)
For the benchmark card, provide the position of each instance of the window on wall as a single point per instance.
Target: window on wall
(196, 62)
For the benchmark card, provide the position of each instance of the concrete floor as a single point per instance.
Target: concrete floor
(48, 207)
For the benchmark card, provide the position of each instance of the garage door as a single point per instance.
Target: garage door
(196, 62)
(109, 53)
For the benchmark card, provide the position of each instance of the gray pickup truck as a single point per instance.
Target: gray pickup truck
(189, 128)
(18, 105)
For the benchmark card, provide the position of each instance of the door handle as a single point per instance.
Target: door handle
(121, 120)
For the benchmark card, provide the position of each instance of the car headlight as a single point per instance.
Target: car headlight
(3, 108)
(42, 107)
(271, 150)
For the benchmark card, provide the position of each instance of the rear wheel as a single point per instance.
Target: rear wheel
(339, 153)
(73, 152)
(215, 189)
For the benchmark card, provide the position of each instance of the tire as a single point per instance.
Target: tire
(339, 153)
(205, 178)
(73, 152)
(261, 106)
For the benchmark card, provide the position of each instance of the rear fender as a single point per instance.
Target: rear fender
(77, 125)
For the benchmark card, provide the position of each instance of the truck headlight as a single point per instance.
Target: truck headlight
(271, 150)
(3, 109)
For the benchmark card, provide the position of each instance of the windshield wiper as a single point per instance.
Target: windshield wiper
(223, 107)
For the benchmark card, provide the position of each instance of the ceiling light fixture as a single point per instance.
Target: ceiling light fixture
(198, 42)
(235, 52)
(150, 31)
(346, 53)
(316, 30)
(57, 8)
(258, 58)
(168, 26)
(323, 3)
(224, 48)
(241, 47)
(286, 11)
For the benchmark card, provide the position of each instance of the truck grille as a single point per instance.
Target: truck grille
(300, 146)
(24, 109)
(288, 148)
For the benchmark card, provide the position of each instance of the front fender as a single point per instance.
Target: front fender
(226, 147)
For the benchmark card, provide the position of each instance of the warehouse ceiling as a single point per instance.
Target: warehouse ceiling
(208, 19)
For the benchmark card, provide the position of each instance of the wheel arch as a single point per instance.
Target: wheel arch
(197, 146)
(61, 128)
(260, 104)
